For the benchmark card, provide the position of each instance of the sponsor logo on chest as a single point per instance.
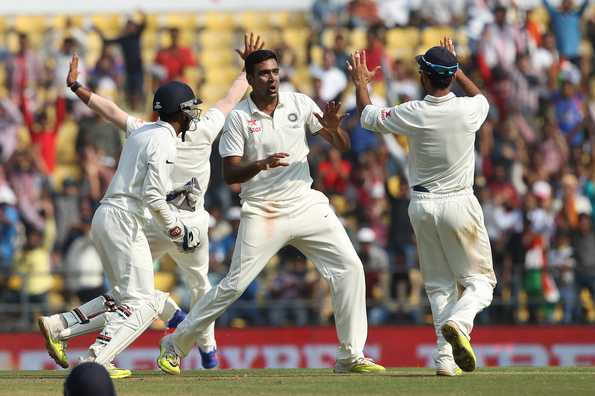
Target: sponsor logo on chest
(253, 126)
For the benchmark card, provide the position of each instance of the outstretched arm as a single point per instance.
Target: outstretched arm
(102, 106)
(240, 85)
(361, 77)
(465, 82)
(331, 130)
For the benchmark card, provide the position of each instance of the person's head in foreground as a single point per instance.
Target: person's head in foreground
(437, 68)
(89, 379)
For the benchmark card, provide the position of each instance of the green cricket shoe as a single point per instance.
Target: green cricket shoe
(168, 360)
(117, 373)
(56, 348)
(462, 351)
(362, 365)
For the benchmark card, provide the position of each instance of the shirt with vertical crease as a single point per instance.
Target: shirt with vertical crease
(441, 136)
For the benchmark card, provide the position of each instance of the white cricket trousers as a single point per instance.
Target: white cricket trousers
(194, 265)
(121, 243)
(454, 252)
(312, 227)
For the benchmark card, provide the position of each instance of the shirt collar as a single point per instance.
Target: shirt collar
(254, 109)
(167, 126)
(439, 99)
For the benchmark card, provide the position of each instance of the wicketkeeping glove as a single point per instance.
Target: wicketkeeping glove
(186, 238)
(185, 197)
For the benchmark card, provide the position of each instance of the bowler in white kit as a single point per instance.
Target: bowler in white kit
(453, 244)
(264, 148)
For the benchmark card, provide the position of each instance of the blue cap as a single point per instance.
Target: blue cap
(170, 96)
(438, 62)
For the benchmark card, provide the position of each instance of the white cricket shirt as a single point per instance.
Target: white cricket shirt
(441, 135)
(254, 135)
(143, 177)
(193, 154)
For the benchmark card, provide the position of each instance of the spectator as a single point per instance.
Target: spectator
(500, 42)
(569, 106)
(362, 13)
(62, 64)
(571, 203)
(333, 80)
(8, 225)
(584, 248)
(376, 269)
(23, 69)
(29, 185)
(130, 44)
(103, 136)
(324, 14)
(67, 208)
(175, 59)
(375, 53)
(291, 288)
(108, 74)
(562, 265)
(340, 52)
(43, 135)
(34, 263)
(566, 25)
(334, 173)
(83, 270)
(10, 120)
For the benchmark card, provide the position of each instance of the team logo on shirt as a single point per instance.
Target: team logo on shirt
(384, 114)
(253, 126)
(292, 117)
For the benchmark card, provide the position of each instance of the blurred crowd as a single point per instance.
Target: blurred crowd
(535, 158)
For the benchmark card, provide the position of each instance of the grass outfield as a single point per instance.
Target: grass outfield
(490, 381)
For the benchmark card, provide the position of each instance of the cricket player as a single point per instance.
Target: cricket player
(141, 182)
(264, 148)
(192, 161)
(454, 248)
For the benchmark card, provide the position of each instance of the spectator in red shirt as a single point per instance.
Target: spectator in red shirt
(43, 135)
(175, 59)
(375, 53)
(334, 173)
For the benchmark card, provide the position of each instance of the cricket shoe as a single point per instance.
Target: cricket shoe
(168, 360)
(116, 372)
(49, 327)
(362, 365)
(449, 371)
(209, 359)
(113, 371)
(176, 319)
(462, 351)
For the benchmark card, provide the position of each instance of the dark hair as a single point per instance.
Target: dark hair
(258, 56)
(168, 117)
(439, 82)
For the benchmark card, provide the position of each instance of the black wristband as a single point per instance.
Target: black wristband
(74, 86)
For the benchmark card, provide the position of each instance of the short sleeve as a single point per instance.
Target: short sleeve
(132, 124)
(211, 123)
(478, 107)
(232, 138)
(388, 119)
(310, 107)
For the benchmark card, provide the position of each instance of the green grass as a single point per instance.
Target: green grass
(408, 381)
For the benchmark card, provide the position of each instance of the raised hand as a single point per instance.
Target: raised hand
(73, 72)
(446, 42)
(250, 45)
(358, 69)
(273, 161)
(330, 119)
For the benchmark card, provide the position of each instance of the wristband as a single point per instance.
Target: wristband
(74, 86)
